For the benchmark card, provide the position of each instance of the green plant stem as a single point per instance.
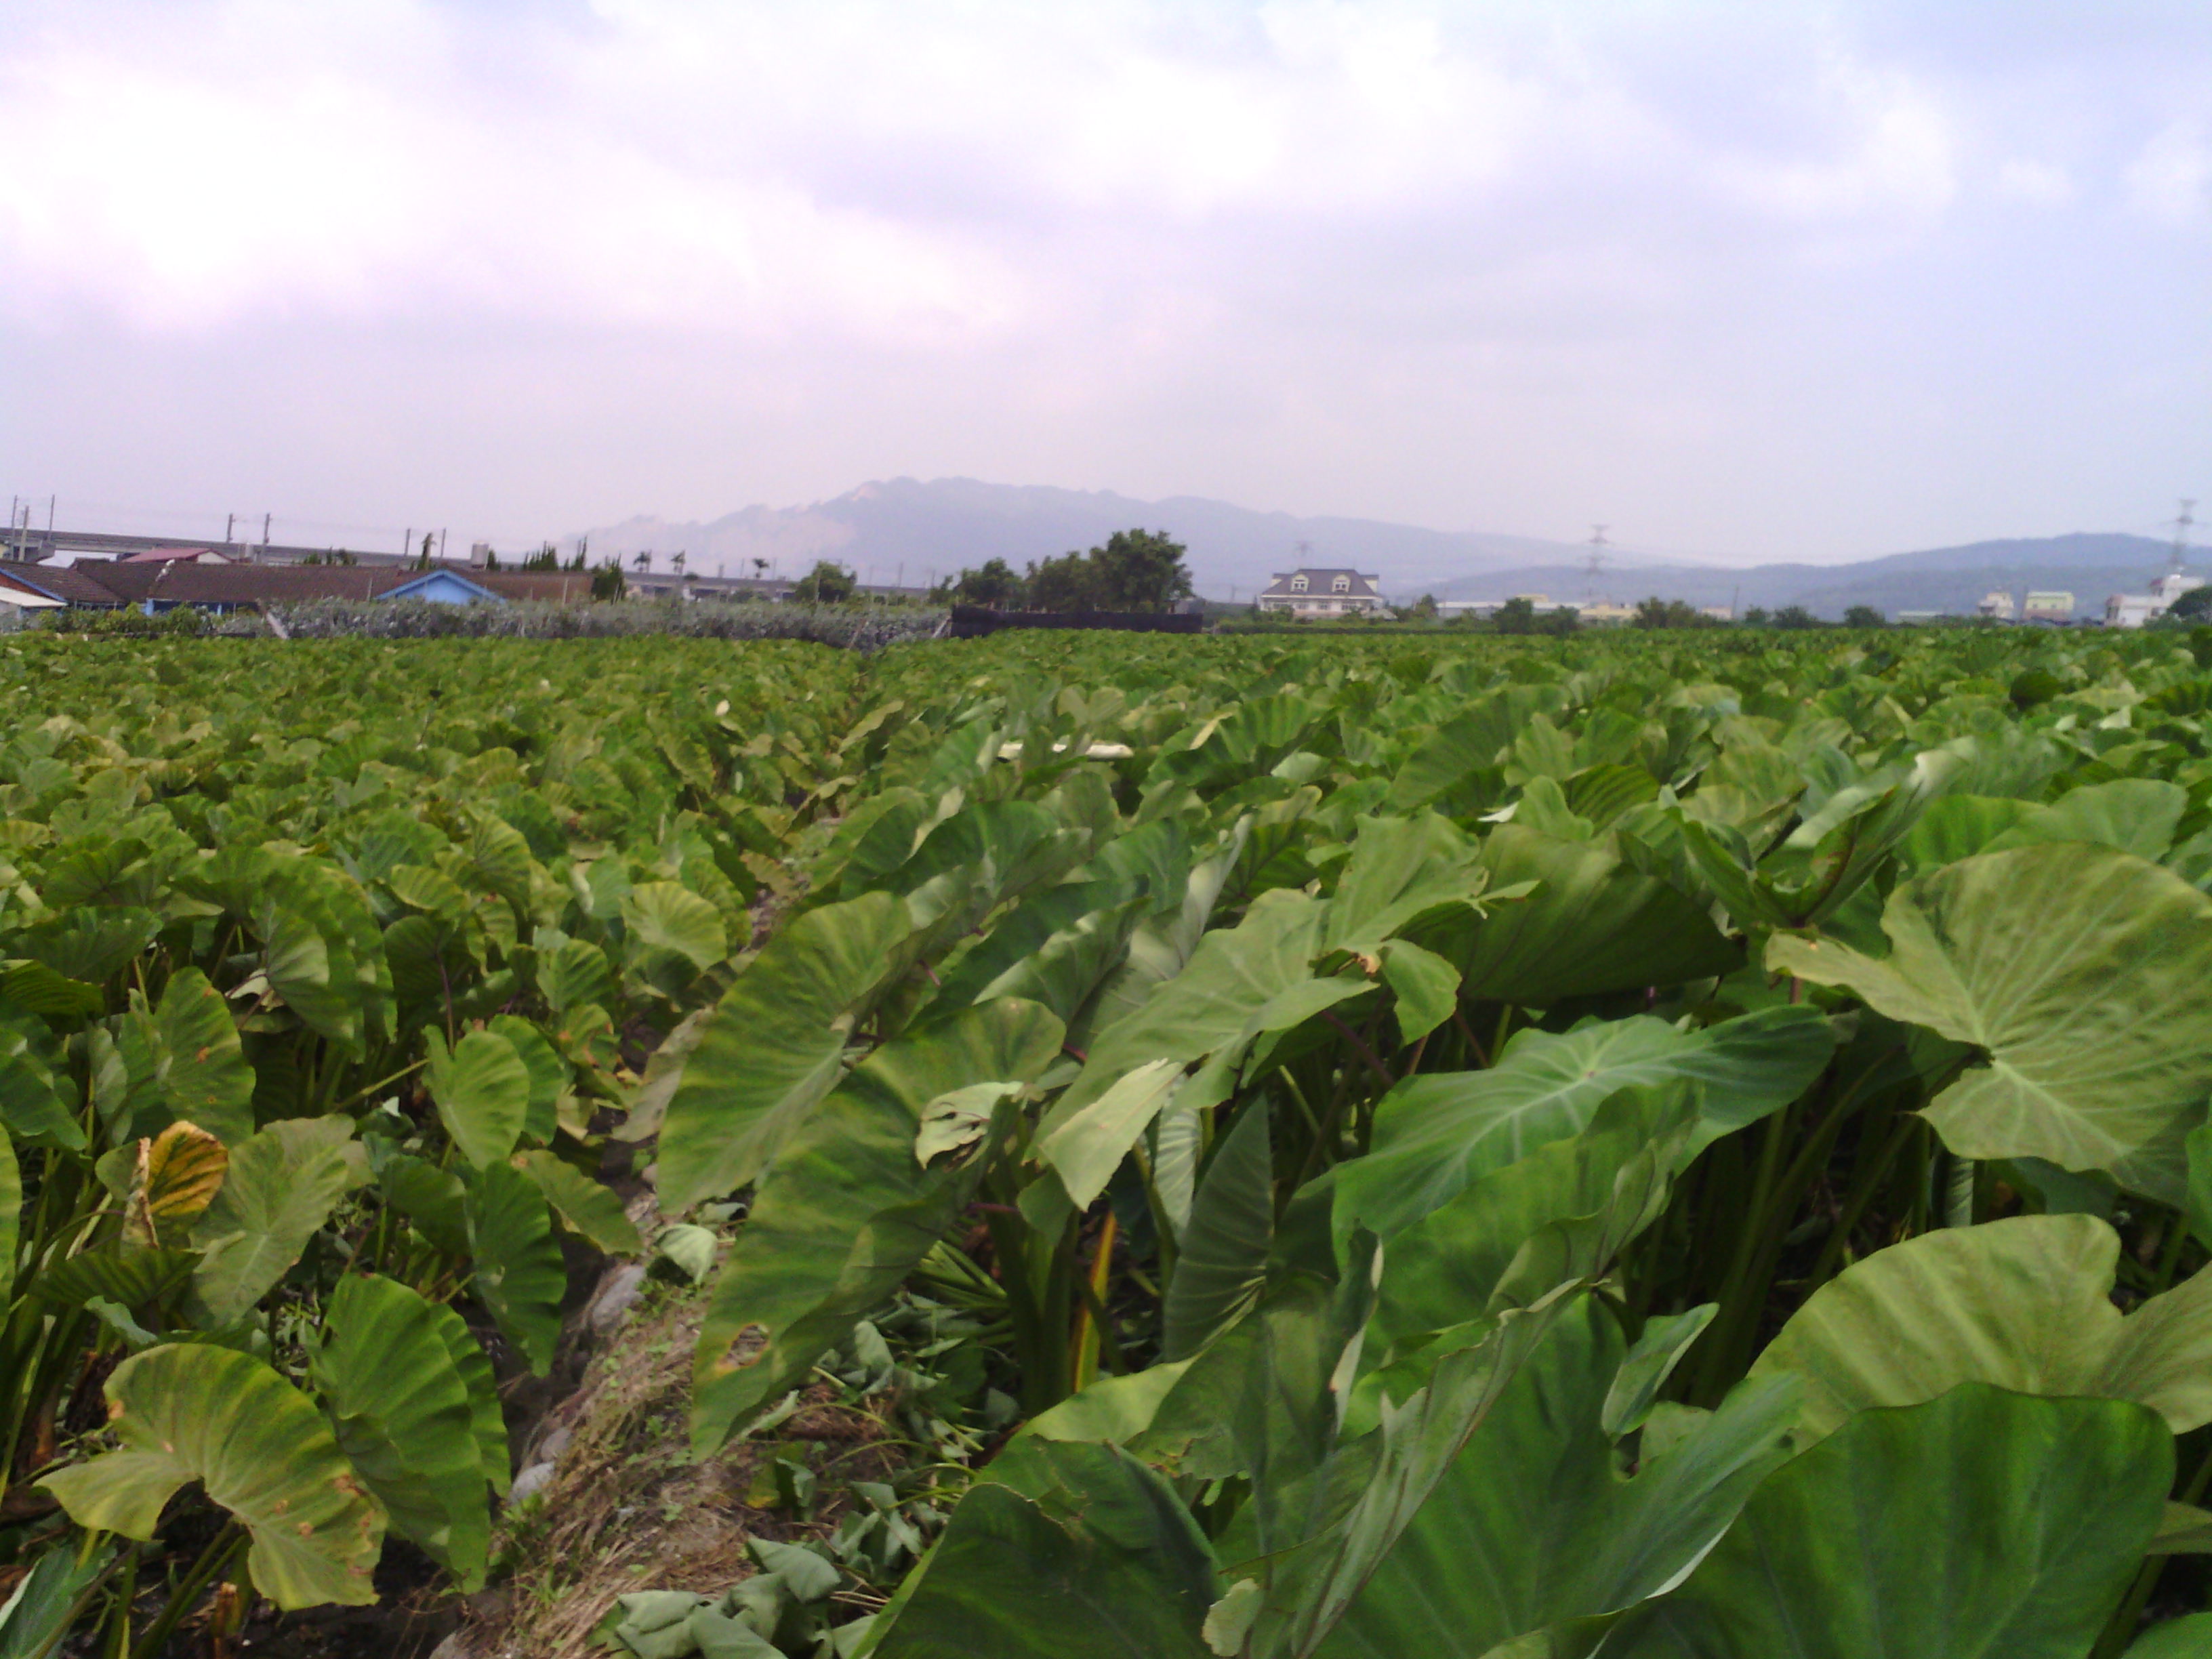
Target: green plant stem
(117, 1644)
(359, 1095)
(1738, 1321)
(222, 1550)
(1864, 1181)
(1360, 1047)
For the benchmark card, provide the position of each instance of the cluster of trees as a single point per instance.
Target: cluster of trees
(1520, 616)
(1135, 570)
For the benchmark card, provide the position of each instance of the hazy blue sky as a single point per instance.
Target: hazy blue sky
(1742, 280)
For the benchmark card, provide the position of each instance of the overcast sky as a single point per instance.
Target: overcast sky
(1740, 280)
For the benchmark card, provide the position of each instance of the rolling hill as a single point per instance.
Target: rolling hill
(909, 530)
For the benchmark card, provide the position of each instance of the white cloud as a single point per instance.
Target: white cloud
(2038, 184)
(1501, 265)
(2171, 179)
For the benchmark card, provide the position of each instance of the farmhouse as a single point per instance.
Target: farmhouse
(2133, 610)
(1307, 592)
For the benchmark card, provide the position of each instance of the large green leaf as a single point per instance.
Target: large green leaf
(519, 1271)
(1085, 1148)
(1224, 1259)
(404, 1419)
(126, 1274)
(1240, 981)
(193, 1412)
(280, 1188)
(2024, 1304)
(482, 1088)
(1091, 1556)
(1534, 1524)
(1340, 1520)
(1055, 948)
(1470, 743)
(434, 1200)
(2080, 971)
(34, 1098)
(776, 1045)
(321, 948)
(1437, 1132)
(474, 1368)
(666, 916)
(1446, 1265)
(1981, 1523)
(549, 1074)
(1593, 924)
(849, 1209)
(198, 1067)
(1400, 869)
(89, 944)
(588, 1208)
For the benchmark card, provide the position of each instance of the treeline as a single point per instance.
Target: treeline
(1521, 616)
(1140, 570)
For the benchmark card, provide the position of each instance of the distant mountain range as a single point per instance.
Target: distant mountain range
(910, 531)
(908, 525)
(1952, 579)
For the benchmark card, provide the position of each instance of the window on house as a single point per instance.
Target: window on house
(1298, 584)
(1341, 584)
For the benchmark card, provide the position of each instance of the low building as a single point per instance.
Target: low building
(1996, 605)
(222, 587)
(1308, 593)
(18, 597)
(2133, 610)
(2048, 605)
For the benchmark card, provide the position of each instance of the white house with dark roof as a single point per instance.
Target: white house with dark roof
(1308, 593)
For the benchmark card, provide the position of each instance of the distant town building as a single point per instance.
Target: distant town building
(1718, 613)
(2049, 605)
(1307, 593)
(1600, 612)
(1996, 605)
(2133, 610)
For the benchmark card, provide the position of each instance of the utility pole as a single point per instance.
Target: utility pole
(264, 536)
(50, 518)
(2181, 521)
(1596, 567)
(229, 519)
(406, 544)
(441, 544)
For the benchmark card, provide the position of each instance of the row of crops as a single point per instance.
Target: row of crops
(1619, 1146)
